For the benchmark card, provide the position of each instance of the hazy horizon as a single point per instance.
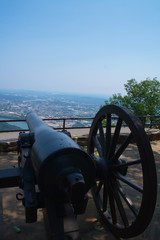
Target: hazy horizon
(55, 92)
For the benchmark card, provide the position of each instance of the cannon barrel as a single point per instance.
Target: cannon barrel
(60, 164)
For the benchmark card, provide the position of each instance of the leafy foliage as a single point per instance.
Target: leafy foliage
(142, 98)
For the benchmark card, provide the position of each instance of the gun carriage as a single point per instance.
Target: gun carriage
(56, 174)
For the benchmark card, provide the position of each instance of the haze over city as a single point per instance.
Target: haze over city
(90, 47)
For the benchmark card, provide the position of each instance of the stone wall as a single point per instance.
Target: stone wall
(82, 141)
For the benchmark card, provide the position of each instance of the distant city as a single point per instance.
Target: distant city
(15, 104)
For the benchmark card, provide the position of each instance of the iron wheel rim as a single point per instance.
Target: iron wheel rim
(111, 185)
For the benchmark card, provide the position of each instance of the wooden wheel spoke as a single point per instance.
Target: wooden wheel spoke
(108, 133)
(128, 182)
(105, 197)
(115, 138)
(94, 157)
(97, 145)
(99, 186)
(102, 138)
(126, 164)
(112, 205)
(120, 206)
(126, 199)
(122, 148)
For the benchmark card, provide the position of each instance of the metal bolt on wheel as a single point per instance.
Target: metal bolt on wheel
(125, 187)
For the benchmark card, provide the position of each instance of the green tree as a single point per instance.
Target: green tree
(142, 98)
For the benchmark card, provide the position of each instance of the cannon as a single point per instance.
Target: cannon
(56, 175)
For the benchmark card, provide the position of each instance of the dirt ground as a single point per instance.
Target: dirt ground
(12, 212)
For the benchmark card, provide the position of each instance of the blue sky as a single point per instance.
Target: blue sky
(79, 46)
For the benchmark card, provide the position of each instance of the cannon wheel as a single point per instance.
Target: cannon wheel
(125, 187)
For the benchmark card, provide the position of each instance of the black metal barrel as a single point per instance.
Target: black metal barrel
(55, 156)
